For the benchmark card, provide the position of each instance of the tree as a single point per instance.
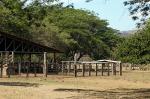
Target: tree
(136, 49)
(139, 9)
(84, 33)
(12, 17)
(73, 30)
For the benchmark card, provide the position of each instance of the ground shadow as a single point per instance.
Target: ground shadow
(21, 84)
(109, 94)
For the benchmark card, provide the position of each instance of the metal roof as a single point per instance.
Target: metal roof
(9, 42)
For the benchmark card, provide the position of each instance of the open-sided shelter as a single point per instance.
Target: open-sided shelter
(11, 45)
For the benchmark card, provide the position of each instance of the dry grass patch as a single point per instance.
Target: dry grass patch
(132, 85)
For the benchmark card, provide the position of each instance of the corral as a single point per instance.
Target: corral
(12, 46)
(103, 66)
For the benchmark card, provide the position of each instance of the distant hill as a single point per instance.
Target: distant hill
(127, 33)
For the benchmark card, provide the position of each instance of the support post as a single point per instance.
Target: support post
(90, 66)
(21, 60)
(62, 68)
(8, 61)
(102, 69)
(45, 64)
(29, 64)
(19, 68)
(115, 65)
(69, 67)
(75, 70)
(120, 65)
(54, 63)
(1, 65)
(112, 68)
(35, 66)
(83, 70)
(96, 68)
(108, 69)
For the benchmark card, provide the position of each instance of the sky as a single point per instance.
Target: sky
(113, 11)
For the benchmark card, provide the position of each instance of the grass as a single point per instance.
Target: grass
(132, 85)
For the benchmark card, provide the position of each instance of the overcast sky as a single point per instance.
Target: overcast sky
(112, 10)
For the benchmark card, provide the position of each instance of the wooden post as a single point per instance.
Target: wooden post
(108, 69)
(96, 69)
(90, 66)
(1, 65)
(8, 61)
(62, 68)
(102, 69)
(19, 66)
(54, 63)
(83, 70)
(120, 65)
(115, 65)
(28, 65)
(54, 57)
(69, 67)
(35, 66)
(45, 64)
(75, 70)
(112, 68)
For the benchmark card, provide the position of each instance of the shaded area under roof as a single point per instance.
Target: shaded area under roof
(16, 44)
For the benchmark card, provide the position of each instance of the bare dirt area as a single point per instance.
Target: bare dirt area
(132, 85)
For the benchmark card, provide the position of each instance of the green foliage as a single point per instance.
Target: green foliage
(136, 49)
(83, 32)
(12, 17)
(64, 28)
(139, 9)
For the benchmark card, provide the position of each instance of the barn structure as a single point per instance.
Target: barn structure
(12, 47)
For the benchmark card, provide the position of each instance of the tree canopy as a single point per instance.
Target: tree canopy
(65, 28)
(135, 49)
(139, 9)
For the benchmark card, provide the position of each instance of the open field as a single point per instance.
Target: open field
(132, 85)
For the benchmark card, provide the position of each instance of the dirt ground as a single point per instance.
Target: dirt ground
(132, 85)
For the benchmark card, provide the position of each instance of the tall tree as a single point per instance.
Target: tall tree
(136, 49)
(12, 17)
(139, 9)
(83, 32)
